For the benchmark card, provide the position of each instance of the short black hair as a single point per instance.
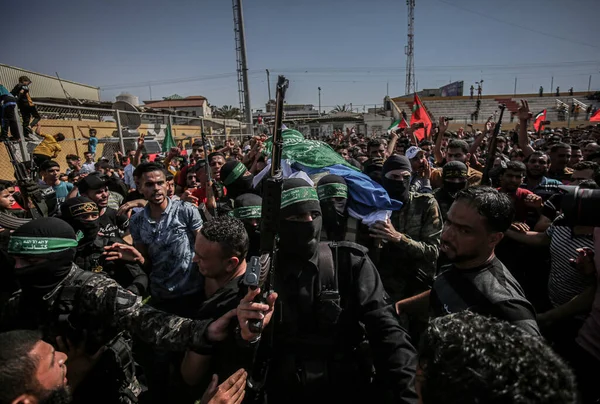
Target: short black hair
(59, 137)
(494, 206)
(169, 177)
(458, 144)
(102, 164)
(469, 358)
(17, 366)
(575, 147)
(586, 165)
(593, 156)
(72, 157)
(537, 153)
(514, 166)
(375, 143)
(425, 143)
(559, 145)
(148, 168)
(87, 152)
(48, 164)
(230, 233)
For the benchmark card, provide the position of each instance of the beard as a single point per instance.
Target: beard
(61, 395)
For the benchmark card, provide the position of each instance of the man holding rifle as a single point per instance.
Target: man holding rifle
(319, 339)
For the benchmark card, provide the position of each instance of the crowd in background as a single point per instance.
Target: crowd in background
(144, 218)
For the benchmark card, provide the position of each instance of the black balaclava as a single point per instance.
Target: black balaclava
(373, 167)
(50, 238)
(333, 196)
(246, 208)
(454, 169)
(398, 190)
(72, 211)
(299, 239)
(232, 175)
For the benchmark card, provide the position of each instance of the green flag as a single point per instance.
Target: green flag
(168, 141)
(310, 153)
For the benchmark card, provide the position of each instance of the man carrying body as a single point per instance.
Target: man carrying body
(412, 235)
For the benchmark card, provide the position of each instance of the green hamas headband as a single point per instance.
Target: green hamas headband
(333, 190)
(238, 170)
(300, 194)
(248, 212)
(40, 245)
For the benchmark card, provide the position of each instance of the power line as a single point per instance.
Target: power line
(517, 25)
(370, 71)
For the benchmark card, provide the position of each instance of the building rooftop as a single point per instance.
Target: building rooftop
(193, 101)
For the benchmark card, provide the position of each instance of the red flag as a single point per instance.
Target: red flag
(420, 115)
(595, 116)
(537, 121)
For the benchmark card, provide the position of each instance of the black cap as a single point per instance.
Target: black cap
(92, 181)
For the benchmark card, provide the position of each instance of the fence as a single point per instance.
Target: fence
(119, 130)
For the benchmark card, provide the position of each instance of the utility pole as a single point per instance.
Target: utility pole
(590, 83)
(387, 88)
(269, 83)
(319, 100)
(242, 67)
(409, 49)
(552, 86)
(515, 86)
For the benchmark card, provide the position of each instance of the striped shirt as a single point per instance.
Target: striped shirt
(565, 282)
(489, 290)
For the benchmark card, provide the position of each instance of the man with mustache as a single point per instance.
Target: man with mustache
(475, 280)
(536, 181)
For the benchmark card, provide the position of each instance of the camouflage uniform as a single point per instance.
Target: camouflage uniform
(103, 309)
(420, 223)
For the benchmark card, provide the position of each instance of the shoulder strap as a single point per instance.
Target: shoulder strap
(327, 267)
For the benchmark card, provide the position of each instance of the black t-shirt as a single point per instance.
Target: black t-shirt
(113, 225)
(133, 195)
(489, 289)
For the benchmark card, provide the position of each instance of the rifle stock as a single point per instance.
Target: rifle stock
(491, 153)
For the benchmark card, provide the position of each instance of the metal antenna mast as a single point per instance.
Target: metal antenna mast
(410, 48)
(242, 68)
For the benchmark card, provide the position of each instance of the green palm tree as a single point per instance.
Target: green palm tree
(340, 108)
(227, 112)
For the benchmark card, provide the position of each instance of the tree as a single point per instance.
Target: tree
(341, 108)
(227, 112)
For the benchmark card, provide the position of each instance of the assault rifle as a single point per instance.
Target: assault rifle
(39, 202)
(491, 154)
(260, 271)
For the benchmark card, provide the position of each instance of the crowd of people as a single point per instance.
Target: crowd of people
(480, 286)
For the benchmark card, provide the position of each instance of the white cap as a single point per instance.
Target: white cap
(412, 152)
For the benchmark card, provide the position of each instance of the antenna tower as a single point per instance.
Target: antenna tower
(242, 67)
(410, 48)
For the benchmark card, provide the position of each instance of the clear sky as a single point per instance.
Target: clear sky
(352, 49)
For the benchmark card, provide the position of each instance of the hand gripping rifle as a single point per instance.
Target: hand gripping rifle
(39, 202)
(491, 154)
(260, 271)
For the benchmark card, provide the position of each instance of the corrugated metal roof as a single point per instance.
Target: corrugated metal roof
(43, 85)
(192, 103)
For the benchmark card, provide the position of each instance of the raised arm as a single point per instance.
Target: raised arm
(437, 148)
(524, 116)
